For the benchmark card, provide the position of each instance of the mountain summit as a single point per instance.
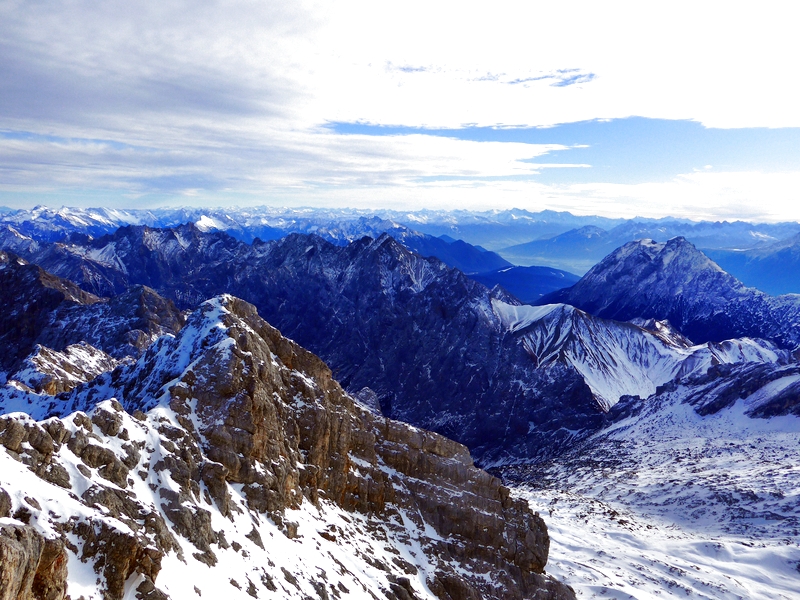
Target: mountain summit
(674, 281)
(228, 461)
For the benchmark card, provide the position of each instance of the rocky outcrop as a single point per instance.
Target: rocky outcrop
(31, 566)
(51, 372)
(230, 422)
(29, 296)
(55, 335)
(43, 309)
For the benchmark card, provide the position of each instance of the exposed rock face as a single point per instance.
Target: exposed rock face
(235, 423)
(51, 372)
(122, 326)
(677, 282)
(41, 308)
(31, 567)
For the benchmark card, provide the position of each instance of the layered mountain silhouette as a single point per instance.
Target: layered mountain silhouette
(773, 268)
(436, 348)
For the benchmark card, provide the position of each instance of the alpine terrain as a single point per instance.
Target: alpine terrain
(227, 461)
(167, 434)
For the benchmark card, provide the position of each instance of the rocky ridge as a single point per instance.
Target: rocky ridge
(623, 359)
(675, 281)
(55, 313)
(230, 449)
(429, 343)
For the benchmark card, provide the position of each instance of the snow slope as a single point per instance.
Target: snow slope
(671, 504)
(619, 359)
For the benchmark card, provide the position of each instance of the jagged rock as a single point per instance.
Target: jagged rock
(239, 421)
(31, 566)
(43, 309)
(50, 581)
(50, 372)
(122, 556)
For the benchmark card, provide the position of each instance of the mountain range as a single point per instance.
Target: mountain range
(435, 348)
(163, 440)
(577, 250)
(772, 268)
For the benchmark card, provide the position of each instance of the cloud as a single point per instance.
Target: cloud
(571, 77)
(216, 98)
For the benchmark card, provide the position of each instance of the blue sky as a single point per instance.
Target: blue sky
(621, 109)
(629, 150)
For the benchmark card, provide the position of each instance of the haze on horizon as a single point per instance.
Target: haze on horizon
(619, 109)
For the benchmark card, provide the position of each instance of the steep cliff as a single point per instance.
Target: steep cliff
(228, 460)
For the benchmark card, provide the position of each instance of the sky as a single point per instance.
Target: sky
(614, 108)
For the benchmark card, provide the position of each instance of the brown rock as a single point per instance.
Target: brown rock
(50, 581)
(123, 555)
(5, 504)
(31, 567)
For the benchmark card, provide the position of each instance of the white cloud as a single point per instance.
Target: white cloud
(229, 97)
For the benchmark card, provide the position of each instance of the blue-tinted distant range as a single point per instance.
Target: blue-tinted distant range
(622, 112)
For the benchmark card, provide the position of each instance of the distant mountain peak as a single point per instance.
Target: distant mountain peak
(675, 281)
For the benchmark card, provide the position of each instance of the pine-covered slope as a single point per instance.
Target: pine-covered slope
(226, 461)
(676, 282)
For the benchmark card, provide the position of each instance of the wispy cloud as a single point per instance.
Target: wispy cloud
(567, 77)
(215, 98)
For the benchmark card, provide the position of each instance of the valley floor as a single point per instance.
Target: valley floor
(669, 504)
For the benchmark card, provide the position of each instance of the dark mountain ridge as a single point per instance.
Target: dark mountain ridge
(438, 349)
(676, 282)
(41, 308)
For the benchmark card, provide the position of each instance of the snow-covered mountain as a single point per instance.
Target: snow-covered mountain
(41, 232)
(435, 348)
(48, 371)
(693, 493)
(621, 359)
(151, 455)
(495, 230)
(676, 282)
(579, 249)
(226, 461)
